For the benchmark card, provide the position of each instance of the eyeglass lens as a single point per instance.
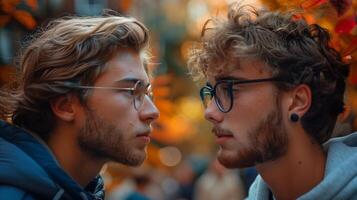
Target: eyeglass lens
(140, 90)
(222, 94)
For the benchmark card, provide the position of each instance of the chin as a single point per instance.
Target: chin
(134, 159)
(232, 160)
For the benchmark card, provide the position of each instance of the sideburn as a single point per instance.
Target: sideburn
(271, 139)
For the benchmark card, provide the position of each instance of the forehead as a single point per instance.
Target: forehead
(125, 64)
(246, 68)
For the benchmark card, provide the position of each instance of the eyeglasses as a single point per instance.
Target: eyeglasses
(222, 92)
(138, 91)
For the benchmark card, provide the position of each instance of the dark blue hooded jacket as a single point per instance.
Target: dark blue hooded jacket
(28, 170)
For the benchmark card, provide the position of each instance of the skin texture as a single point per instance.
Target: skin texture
(245, 134)
(257, 132)
(108, 127)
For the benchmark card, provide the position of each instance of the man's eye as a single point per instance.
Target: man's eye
(235, 89)
(225, 89)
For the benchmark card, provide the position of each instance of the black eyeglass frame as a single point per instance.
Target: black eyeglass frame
(212, 90)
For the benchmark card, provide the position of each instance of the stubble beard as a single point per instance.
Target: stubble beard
(101, 139)
(267, 142)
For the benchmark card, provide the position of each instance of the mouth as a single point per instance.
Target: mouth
(222, 135)
(145, 136)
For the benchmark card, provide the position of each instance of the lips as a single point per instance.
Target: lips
(145, 136)
(144, 132)
(222, 135)
(218, 132)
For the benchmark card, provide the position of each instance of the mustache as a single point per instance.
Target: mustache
(218, 131)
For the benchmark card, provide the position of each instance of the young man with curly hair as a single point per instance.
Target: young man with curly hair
(274, 90)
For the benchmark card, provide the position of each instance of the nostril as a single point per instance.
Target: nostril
(213, 115)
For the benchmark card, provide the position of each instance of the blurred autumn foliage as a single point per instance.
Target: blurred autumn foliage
(9, 10)
(17, 13)
(340, 18)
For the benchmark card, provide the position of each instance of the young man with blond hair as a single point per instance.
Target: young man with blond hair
(82, 99)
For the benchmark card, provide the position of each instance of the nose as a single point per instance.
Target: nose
(148, 111)
(213, 114)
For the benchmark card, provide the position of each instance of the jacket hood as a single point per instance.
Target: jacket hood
(340, 179)
(27, 164)
(19, 170)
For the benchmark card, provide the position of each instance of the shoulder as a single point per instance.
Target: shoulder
(20, 173)
(8, 192)
(258, 190)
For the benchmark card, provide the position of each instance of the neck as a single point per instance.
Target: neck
(298, 171)
(81, 166)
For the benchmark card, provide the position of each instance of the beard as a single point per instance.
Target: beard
(102, 139)
(266, 142)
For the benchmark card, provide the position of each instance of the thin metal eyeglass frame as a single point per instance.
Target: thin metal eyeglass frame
(132, 89)
(211, 91)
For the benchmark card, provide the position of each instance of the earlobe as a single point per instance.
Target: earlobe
(294, 117)
(62, 107)
(301, 100)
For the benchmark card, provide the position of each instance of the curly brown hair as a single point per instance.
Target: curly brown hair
(72, 49)
(294, 51)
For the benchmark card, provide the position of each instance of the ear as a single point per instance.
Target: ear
(300, 100)
(62, 107)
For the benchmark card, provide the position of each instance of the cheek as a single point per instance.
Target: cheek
(113, 108)
(248, 110)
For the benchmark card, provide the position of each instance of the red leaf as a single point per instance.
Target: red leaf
(352, 79)
(351, 48)
(345, 25)
(341, 6)
(312, 3)
(4, 19)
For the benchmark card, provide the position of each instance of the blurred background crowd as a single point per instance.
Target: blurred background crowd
(181, 161)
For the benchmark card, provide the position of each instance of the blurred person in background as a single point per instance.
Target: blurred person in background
(186, 176)
(274, 89)
(82, 99)
(139, 183)
(219, 182)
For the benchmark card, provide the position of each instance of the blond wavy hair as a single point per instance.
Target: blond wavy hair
(72, 49)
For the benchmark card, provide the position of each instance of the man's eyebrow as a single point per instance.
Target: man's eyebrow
(223, 78)
(131, 80)
(128, 80)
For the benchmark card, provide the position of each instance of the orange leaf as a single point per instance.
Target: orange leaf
(162, 91)
(312, 3)
(4, 19)
(33, 4)
(9, 6)
(25, 19)
(310, 19)
(162, 80)
(125, 5)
